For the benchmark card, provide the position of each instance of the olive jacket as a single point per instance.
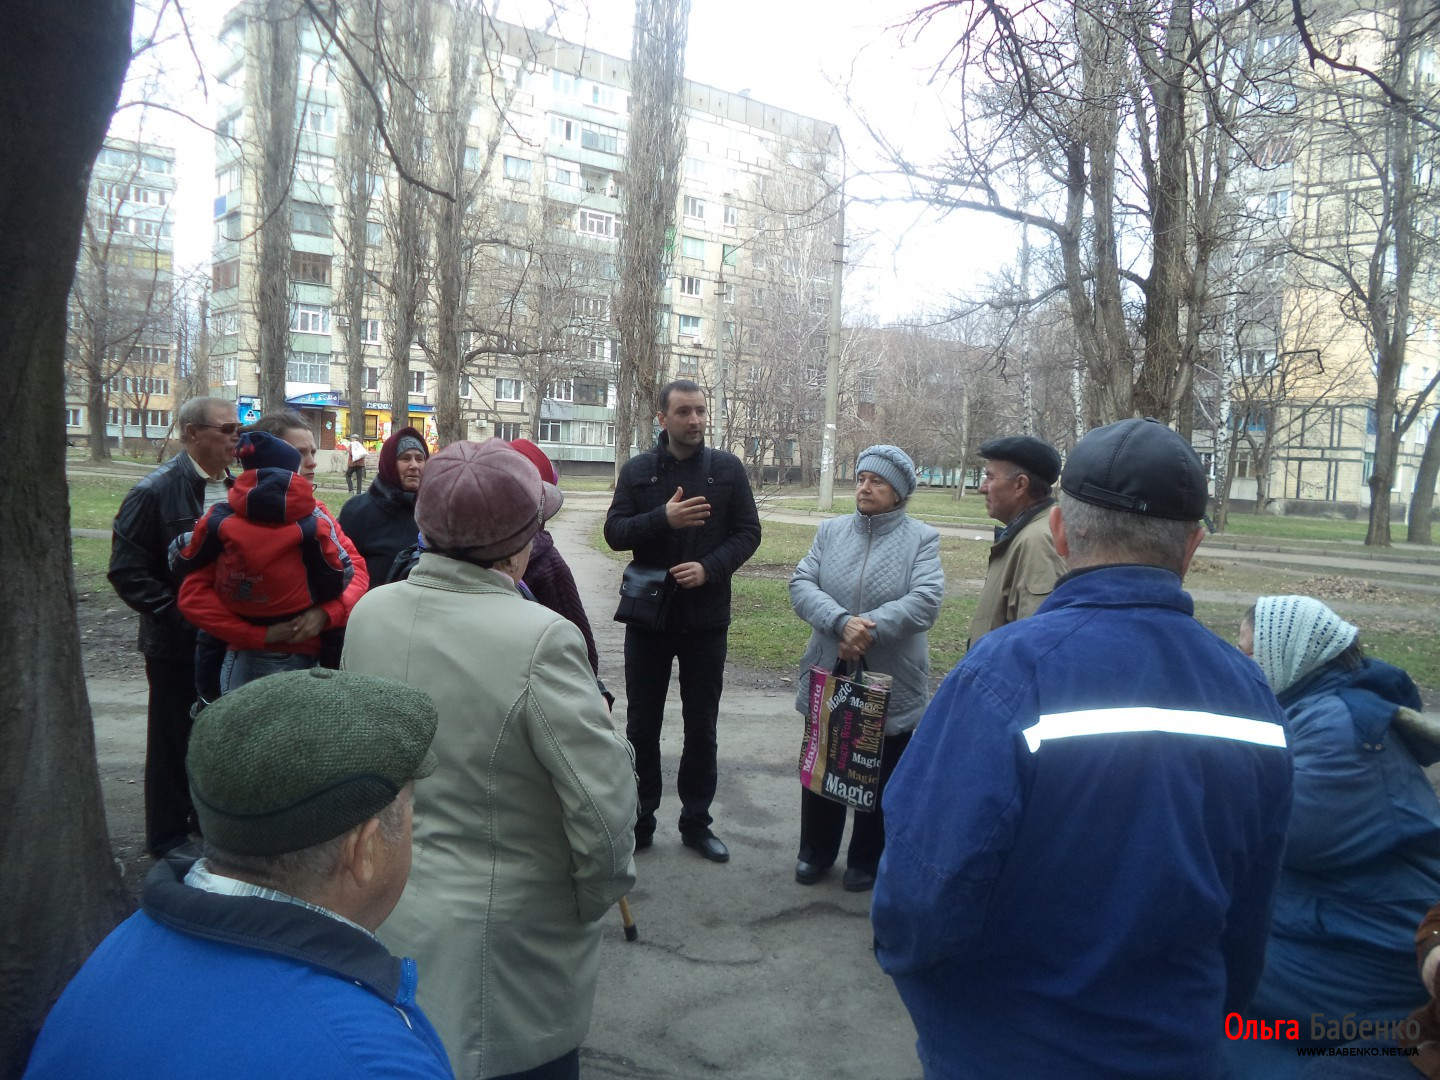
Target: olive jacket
(1022, 573)
(524, 835)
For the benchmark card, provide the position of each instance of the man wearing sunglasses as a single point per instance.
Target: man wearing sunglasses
(159, 508)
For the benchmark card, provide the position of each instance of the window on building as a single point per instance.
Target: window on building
(758, 261)
(592, 391)
(228, 179)
(564, 83)
(599, 349)
(309, 218)
(695, 169)
(727, 254)
(560, 390)
(689, 286)
(225, 322)
(417, 382)
(74, 417)
(514, 212)
(592, 307)
(225, 275)
(588, 432)
(692, 247)
(552, 431)
(694, 208)
(374, 233)
(598, 137)
(112, 417)
(732, 216)
(370, 331)
(228, 227)
(593, 223)
(318, 119)
(727, 291)
(509, 432)
(229, 369)
(509, 390)
(516, 168)
(310, 319)
(370, 378)
(310, 266)
(314, 168)
(687, 364)
(308, 367)
(690, 325)
(465, 391)
(472, 158)
(564, 173)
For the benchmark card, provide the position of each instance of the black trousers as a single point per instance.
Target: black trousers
(169, 813)
(649, 657)
(355, 478)
(822, 822)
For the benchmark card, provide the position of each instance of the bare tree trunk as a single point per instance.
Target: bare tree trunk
(355, 160)
(1422, 500)
(276, 39)
(66, 63)
(410, 35)
(656, 145)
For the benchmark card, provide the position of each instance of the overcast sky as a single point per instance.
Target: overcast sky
(802, 55)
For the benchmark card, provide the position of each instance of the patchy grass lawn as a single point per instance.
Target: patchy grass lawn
(1274, 527)
(95, 499)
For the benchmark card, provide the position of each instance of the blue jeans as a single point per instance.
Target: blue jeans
(246, 665)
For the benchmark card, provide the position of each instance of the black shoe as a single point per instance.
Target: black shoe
(707, 844)
(643, 840)
(857, 880)
(808, 873)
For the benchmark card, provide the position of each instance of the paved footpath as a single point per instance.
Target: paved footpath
(739, 972)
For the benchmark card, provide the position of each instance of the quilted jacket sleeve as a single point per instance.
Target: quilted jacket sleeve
(917, 610)
(812, 603)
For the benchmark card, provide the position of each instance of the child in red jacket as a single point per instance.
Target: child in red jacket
(267, 554)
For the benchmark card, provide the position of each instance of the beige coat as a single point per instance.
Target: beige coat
(524, 835)
(1022, 573)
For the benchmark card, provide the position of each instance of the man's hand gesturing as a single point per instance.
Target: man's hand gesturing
(683, 513)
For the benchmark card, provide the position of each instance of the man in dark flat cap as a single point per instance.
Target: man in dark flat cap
(1083, 837)
(1020, 470)
(261, 959)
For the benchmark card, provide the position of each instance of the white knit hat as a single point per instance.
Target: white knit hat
(1294, 635)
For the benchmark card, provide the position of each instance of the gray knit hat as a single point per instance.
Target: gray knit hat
(892, 465)
(294, 759)
(1295, 635)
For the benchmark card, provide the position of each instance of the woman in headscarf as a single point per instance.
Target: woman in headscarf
(870, 587)
(382, 521)
(1362, 853)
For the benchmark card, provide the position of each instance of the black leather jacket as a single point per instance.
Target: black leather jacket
(636, 522)
(157, 510)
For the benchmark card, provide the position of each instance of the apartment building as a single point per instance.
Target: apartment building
(120, 356)
(538, 127)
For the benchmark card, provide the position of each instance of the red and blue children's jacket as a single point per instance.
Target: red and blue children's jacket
(274, 552)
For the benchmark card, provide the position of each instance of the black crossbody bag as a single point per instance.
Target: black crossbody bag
(646, 591)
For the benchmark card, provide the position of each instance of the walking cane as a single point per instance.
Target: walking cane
(631, 934)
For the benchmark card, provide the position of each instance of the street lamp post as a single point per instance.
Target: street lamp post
(832, 359)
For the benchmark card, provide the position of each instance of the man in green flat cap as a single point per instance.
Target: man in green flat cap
(261, 959)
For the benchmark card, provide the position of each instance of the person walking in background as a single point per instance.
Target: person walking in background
(1020, 470)
(1362, 853)
(381, 522)
(355, 465)
(1083, 837)
(256, 565)
(870, 587)
(524, 836)
(158, 509)
(686, 508)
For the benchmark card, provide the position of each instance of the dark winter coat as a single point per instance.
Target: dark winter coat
(550, 581)
(636, 522)
(382, 524)
(162, 506)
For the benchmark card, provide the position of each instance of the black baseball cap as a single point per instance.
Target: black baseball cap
(1139, 467)
(1032, 454)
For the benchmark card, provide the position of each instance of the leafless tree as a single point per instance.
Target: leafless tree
(650, 191)
(120, 308)
(1369, 241)
(273, 40)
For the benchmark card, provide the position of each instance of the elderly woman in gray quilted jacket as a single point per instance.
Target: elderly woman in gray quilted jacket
(870, 587)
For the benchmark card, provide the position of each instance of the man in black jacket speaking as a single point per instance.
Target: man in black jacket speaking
(688, 508)
(163, 505)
